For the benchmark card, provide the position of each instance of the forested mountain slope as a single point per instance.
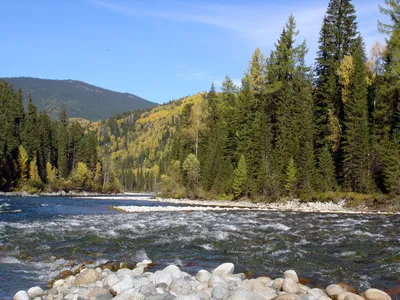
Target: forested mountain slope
(81, 100)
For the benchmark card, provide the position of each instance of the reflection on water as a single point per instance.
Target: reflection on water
(48, 235)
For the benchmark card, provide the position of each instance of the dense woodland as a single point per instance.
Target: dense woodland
(40, 154)
(290, 130)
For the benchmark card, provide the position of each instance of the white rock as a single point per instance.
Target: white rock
(109, 280)
(242, 294)
(266, 292)
(351, 296)
(203, 276)
(216, 280)
(290, 286)
(277, 283)
(219, 291)
(125, 283)
(138, 271)
(291, 274)
(124, 272)
(87, 276)
(375, 294)
(342, 294)
(21, 295)
(162, 278)
(333, 290)
(224, 269)
(180, 286)
(58, 283)
(200, 286)
(35, 291)
(173, 271)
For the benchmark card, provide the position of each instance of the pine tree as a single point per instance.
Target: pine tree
(326, 170)
(291, 177)
(356, 144)
(290, 109)
(239, 184)
(337, 38)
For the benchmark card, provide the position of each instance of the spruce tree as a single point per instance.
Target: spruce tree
(239, 184)
(356, 144)
(337, 39)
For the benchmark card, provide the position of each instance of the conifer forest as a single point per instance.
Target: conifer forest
(290, 130)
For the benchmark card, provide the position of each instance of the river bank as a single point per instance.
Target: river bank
(220, 205)
(170, 283)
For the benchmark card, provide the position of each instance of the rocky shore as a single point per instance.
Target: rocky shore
(172, 283)
(218, 205)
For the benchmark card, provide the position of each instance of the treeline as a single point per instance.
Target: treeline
(293, 130)
(41, 154)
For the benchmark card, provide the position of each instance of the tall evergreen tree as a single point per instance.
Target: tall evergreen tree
(356, 144)
(337, 38)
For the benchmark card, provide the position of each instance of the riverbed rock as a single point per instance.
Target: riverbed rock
(291, 274)
(266, 292)
(375, 294)
(124, 272)
(286, 296)
(216, 280)
(290, 286)
(173, 271)
(203, 276)
(219, 291)
(87, 276)
(224, 269)
(21, 295)
(277, 283)
(181, 286)
(342, 294)
(138, 271)
(35, 291)
(232, 285)
(109, 280)
(243, 294)
(352, 296)
(97, 291)
(125, 283)
(333, 290)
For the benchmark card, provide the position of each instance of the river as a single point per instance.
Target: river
(41, 236)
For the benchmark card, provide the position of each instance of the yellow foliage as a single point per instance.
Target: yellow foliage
(345, 70)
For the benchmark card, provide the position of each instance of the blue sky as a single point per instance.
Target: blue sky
(156, 49)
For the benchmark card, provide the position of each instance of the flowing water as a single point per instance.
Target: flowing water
(41, 236)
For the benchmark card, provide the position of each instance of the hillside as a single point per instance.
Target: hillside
(139, 143)
(82, 100)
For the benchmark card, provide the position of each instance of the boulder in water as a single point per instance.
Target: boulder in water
(21, 295)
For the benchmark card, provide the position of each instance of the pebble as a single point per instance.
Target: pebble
(173, 284)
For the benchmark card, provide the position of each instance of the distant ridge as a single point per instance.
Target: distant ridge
(81, 99)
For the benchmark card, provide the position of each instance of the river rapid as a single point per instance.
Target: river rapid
(42, 236)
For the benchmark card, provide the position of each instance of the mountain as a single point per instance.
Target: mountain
(82, 100)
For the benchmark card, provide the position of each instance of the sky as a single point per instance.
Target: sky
(157, 49)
